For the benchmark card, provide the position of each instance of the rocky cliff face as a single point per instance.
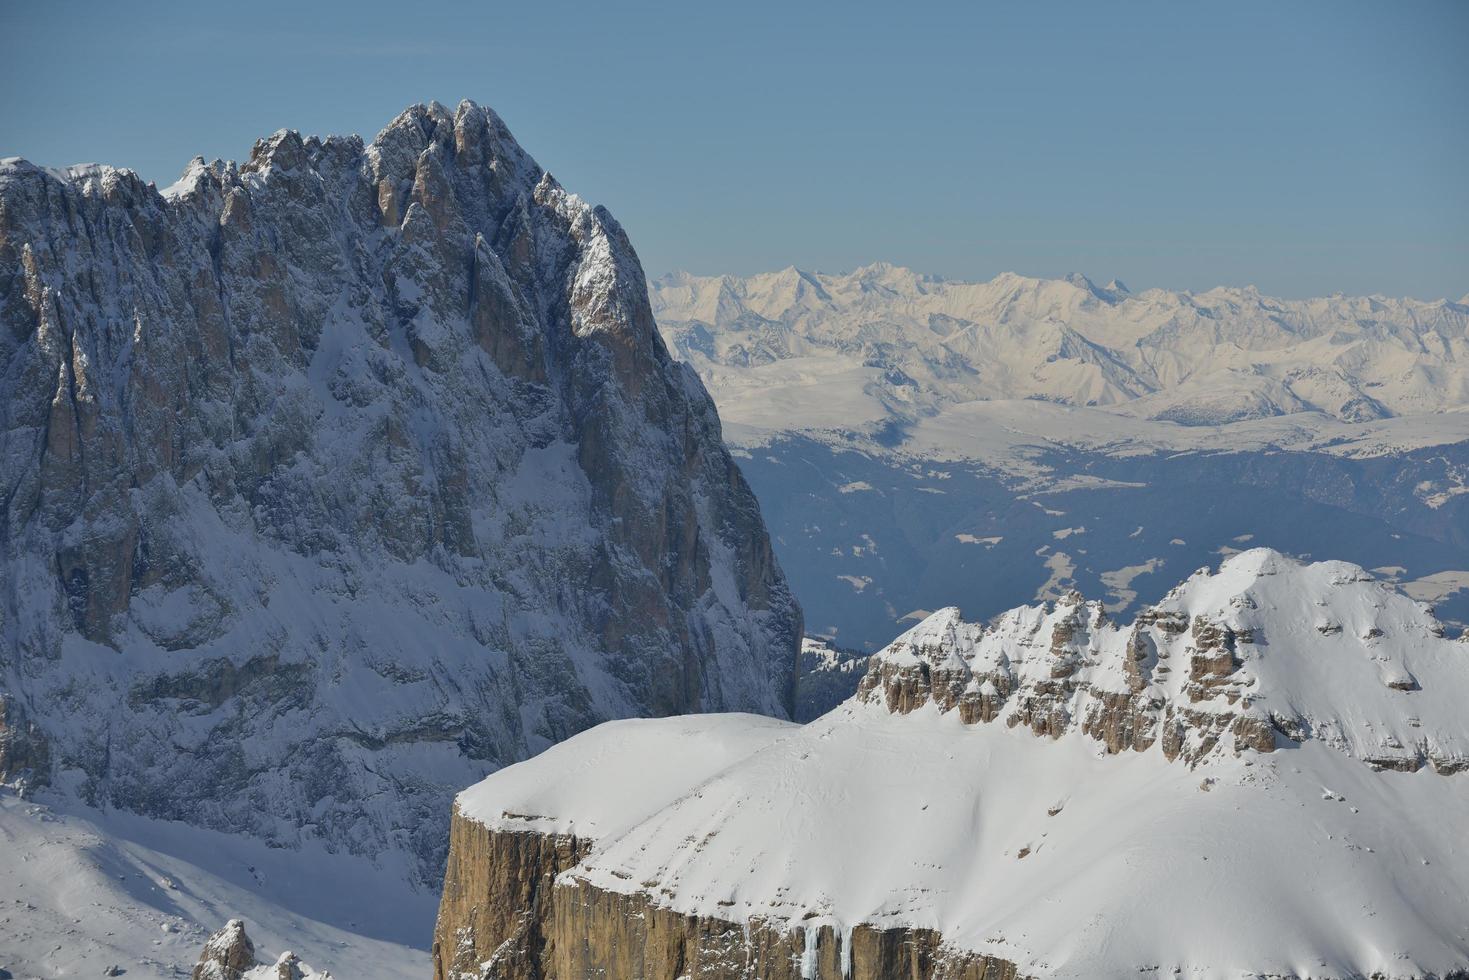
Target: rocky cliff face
(505, 917)
(1196, 674)
(828, 675)
(341, 477)
(518, 904)
(495, 914)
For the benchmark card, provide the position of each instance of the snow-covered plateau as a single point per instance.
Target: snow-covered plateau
(1266, 774)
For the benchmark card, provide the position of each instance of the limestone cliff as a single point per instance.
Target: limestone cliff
(504, 916)
(333, 480)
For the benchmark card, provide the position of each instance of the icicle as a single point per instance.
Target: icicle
(808, 956)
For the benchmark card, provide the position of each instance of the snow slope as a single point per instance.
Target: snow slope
(82, 890)
(1070, 854)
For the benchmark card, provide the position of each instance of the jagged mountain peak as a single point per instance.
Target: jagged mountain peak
(378, 435)
(1262, 653)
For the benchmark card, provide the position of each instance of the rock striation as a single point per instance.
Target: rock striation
(1260, 777)
(335, 479)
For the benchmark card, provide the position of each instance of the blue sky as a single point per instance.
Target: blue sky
(1305, 147)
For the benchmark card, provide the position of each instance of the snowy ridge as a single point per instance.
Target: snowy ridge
(601, 787)
(1319, 857)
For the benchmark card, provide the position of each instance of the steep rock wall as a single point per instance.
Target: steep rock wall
(332, 481)
(505, 916)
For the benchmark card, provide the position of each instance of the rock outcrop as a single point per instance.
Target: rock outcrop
(1195, 674)
(25, 758)
(338, 478)
(577, 930)
(514, 909)
(227, 954)
(495, 917)
(230, 955)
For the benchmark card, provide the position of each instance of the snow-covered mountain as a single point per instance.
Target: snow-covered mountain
(334, 480)
(884, 343)
(1264, 775)
(918, 442)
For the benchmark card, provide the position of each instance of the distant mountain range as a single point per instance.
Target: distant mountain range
(919, 442)
(885, 343)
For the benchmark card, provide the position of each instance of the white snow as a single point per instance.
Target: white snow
(1119, 581)
(599, 783)
(989, 541)
(81, 891)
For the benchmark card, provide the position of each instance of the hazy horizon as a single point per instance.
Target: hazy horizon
(1306, 149)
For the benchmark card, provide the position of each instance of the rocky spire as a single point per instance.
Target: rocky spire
(227, 954)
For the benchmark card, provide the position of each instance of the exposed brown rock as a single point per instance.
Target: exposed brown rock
(496, 902)
(612, 935)
(1066, 696)
(227, 954)
(503, 917)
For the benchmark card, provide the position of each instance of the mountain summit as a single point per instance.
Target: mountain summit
(336, 479)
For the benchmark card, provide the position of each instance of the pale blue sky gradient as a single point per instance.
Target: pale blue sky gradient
(1305, 147)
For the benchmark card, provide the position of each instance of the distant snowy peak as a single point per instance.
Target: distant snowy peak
(1264, 652)
(917, 344)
